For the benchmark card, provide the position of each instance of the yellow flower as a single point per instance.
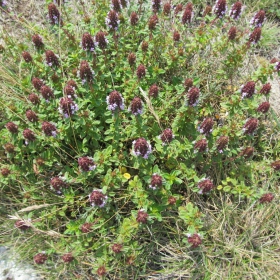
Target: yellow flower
(126, 176)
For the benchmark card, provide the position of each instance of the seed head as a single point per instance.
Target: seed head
(40, 258)
(276, 165)
(187, 16)
(207, 10)
(131, 59)
(220, 8)
(117, 248)
(232, 33)
(263, 107)
(141, 71)
(248, 89)
(188, 83)
(142, 148)
(255, 35)
(97, 198)
(167, 8)
(31, 116)
(156, 181)
(101, 40)
(267, 197)
(54, 14)
(195, 240)
(5, 172)
(12, 127)
(112, 20)
(144, 46)
(192, 96)
(142, 217)
(116, 5)
(247, 152)
(51, 58)
(266, 89)
(85, 73)
(37, 83)
(222, 143)
(134, 18)
(201, 146)
(115, 101)
(176, 36)
(166, 136)
(47, 93)
(86, 227)
(37, 41)
(205, 186)
(86, 164)
(206, 126)
(34, 99)
(153, 21)
(101, 271)
(258, 19)
(136, 106)
(87, 42)
(20, 224)
(156, 5)
(153, 91)
(68, 257)
(9, 148)
(26, 56)
(49, 129)
(171, 200)
(250, 126)
(28, 135)
(236, 10)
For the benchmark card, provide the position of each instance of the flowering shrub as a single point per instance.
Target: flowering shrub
(121, 125)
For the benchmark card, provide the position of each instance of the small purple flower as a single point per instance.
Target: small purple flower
(86, 164)
(263, 107)
(255, 36)
(193, 95)
(156, 5)
(51, 59)
(222, 143)
(187, 16)
(205, 185)
(3, 3)
(166, 136)
(87, 42)
(29, 136)
(67, 107)
(156, 181)
(115, 101)
(136, 106)
(206, 126)
(258, 19)
(47, 93)
(248, 90)
(49, 129)
(57, 183)
(220, 8)
(194, 239)
(116, 6)
(54, 15)
(37, 41)
(141, 148)
(112, 20)
(250, 126)
(236, 10)
(101, 40)
(97, 198)
(277, 66)
(85, 73)
(201, 146)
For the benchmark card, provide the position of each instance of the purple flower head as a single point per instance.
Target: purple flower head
(153, 90)
(54, 15)
(255, 36)
(144, 46)
(232, 33)
(47, 93)
(194, 239)
(193, 95)
(69, 91)
(97, 198)
(37, 83)
(247, 152)
(131, 59)
(222, 143)
(86, 227)
(187, 16)
(266, 89)
(115, 101)
(153, 21)
(176, 36)
(156, 181)
(34, 98)
(250, 126)
(206, 126)
(166, 136)
(236, 10)
(116, 6)
(276, 165)
(40, 258)
(117, 248)
(263, 107)
(156, 5)
(112, 20)
(141, 148)
(68, 257)
(29, 135)
(248, 90)
(85, 73)
(31, 116)
(220, 8)
(67, 107)
(3, 3)
(5, 172)
(101, 40)
(134, 18)
(12, 127)
(37, 41)
(258, 19)
(51, 59)
(136, 106)
(167, 8)
(141, 71)
(267, 197)
(57, 183)
(205, 186)
(49, 129)
(86, 164)
(142, 216)
(27, 57)
(277, 66)
(188, 83)
(87, 42)
(201, 146)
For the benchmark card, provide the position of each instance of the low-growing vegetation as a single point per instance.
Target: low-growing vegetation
(139, 141)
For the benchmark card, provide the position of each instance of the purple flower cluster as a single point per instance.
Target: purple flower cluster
(97, 198)
(236, 10)
(112, 20)
(141, 148)
(220, 8)
(115, 101)
(67, 107)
